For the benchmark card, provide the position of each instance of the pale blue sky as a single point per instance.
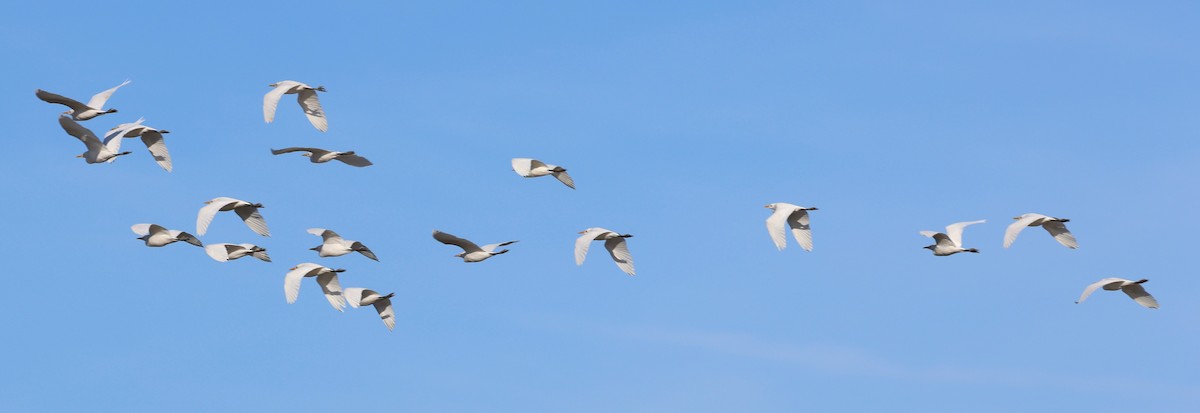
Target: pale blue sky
(678, 121)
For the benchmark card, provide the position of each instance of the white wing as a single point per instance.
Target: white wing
(492, 247)
(939, 238)
(121, 130)
(354, 296)
(564, 178)
(445, 238)
(955, 231)
(1015, 228)
(271, 99)
(1139, 294)
(776, 224)
(354, 160)
(584, 242)
(798, 221)
(60, 99)
(141, 229)
(333, 291)
(522, 166)
(620, 254)
(1060, 233)
(384, 307)
(218, 252)
(1093, 286)
(154, 142)
(99, 99)
(325, 234)
(312, 109)
(186, 237)
(291, 282)
(210, 210)
(73, 128)
(253, 219)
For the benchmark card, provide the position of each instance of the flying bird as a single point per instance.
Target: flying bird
(533, 168)
(321, 156)
(226, 252)
(1055, 226)
(326, 278)
(80, 111)
(471, 252)
(153, 138)
(305, 94)
(246, 210)
(950, 242)
(1131, 288)
(97, 152)
(333, 245)
(613, 241)
(156, 236)
(358, 297)
(793, 216)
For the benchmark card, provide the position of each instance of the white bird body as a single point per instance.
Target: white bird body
(317, 155)
(228, 252)
(950, 242)
(793, 216)
(80, 111)
(307, 97)
(1131, 288)
(247, 211)
(333, 245)
(471, 252)
(533, 168)
(358, 297)
(326, 278)
(1055, 226)
(153, 138)
(97, 151)
(614, 242)
(156, 236)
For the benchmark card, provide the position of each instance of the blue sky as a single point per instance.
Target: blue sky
(678, 121)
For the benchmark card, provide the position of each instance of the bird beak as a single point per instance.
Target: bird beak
(292, 269)
(766, 206)
(581, 232)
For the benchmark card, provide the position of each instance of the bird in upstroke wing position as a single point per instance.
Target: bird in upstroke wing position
(950, 242)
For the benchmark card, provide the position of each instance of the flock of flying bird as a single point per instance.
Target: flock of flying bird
(784, 216)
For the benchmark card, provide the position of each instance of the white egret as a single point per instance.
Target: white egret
(613, 241)
(80, 111)
(1055, 226)
(471, 252)
(305, 94)
(226, 252)
(326, 278)
(246, 210)
(533, 168)
(358, 297)
(153, 138)
(1131, 288)
(97, 152)
(950, 242)
(316, 155)
(793, 216)
(156, 236)
(333, 245)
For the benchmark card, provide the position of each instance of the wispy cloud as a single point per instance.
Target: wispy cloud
(848, 360)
